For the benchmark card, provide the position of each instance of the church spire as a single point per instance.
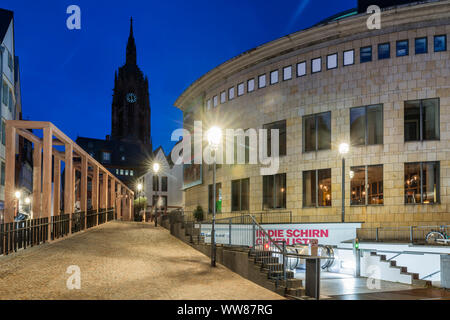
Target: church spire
(131, 47)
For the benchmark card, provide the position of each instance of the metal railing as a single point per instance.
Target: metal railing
(28, 233)
(262, 217)
(411, 234)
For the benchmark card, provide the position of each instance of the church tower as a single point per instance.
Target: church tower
(131, 101)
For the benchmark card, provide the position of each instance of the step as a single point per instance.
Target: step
(422, 283)
(291, 283)
(402, 269)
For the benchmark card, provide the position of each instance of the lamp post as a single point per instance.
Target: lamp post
(139, 188)
(156, 167)
(343, 150)
(17, 194)
(214, 136)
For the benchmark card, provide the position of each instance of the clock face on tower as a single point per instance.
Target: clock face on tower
(131, 98)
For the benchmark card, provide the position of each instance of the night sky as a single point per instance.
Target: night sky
(67, 76)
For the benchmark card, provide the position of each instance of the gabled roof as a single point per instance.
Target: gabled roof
(6, 17)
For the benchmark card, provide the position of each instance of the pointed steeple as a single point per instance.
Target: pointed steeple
(131, 47)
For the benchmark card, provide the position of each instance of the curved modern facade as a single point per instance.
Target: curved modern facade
(385, 92)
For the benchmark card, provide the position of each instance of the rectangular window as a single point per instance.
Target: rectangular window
(366, 125)
(218, 198)
(11, 101)
(223, 97)
(121, 172)
(422, 183)
(440, 43)
(3, 132)
(126, 172)
(274, 77)
(155, 183)
(106, 156)
(316, 65)
(231, 93)
(402, 48)
(161, 204)
(287, 73)
(301, 69)
(421, 45)
(365, 54)
(274, 191)
(215, 101)
(131, 173)
(208, 104)
(5, 93)
(384, 51)
(332, 60)
(164, 184)
(422, 120)
(241, 89)
(262, 81)
(317, 188)
(317, 132)
(2, 178)
(10, 62)
(251, 85)
(240, 195)
(366, 184)
(281, 126)
(349, 57)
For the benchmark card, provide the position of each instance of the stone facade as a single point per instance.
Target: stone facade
(389, 82)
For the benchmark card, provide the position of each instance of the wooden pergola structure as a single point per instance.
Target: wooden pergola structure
(107, 190)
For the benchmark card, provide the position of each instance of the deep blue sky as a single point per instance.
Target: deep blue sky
(68, 76)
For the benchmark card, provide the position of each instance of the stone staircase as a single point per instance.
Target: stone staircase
(267, 271)
(391, 272)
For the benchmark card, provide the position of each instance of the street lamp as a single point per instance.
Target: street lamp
(139, 188)
(343, 150)
(156, 168)
(214, 136)
(17, 194)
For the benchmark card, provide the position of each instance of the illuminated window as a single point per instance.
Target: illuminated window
(422, 183)
(231, 93)
(402, 48)
(241, 89)
(274, 77)
(366, 185)
(106, 156)
(250, 85)
(274, 191)
(223, 97)
(422, 120)
(317, 188)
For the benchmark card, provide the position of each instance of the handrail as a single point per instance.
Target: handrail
(265, 233)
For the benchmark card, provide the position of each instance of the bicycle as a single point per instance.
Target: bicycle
(437, 236)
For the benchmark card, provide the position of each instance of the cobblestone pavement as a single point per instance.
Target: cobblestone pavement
(122, 260)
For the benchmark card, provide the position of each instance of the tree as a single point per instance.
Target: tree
(198, 213)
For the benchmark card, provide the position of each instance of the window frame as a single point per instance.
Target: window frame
(243, 89)
(254, 85)
(264, 76)
(284, 73)
(312, 65)
(316, 120)
(438, 183)
(426, 45)
(360, 54)
(389, 52)
(337, 60)
(166, 184)
(274, 193)
(240, 194)
(343, 58)
(269, 137)
(223, 97)
(366, 183)
(231, 89)
(316, 173)
(421, 139)
(296, 71)
(215, 101)
(407, 48)
(445, 42)
(277, 72)
(366, 125)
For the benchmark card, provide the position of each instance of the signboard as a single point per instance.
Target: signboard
(242, 234)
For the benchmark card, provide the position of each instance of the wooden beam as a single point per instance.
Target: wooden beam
(68, 183)
(37, 179)
(105, 190)
(113, 194)
(119, 202)
(47, 175)
(10, 157)
(95, 185)
(83, 188)
(56, 187)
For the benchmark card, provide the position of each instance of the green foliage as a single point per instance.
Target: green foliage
(140, 203)
(198, 213)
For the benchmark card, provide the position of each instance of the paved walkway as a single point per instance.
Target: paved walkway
(122, 260)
